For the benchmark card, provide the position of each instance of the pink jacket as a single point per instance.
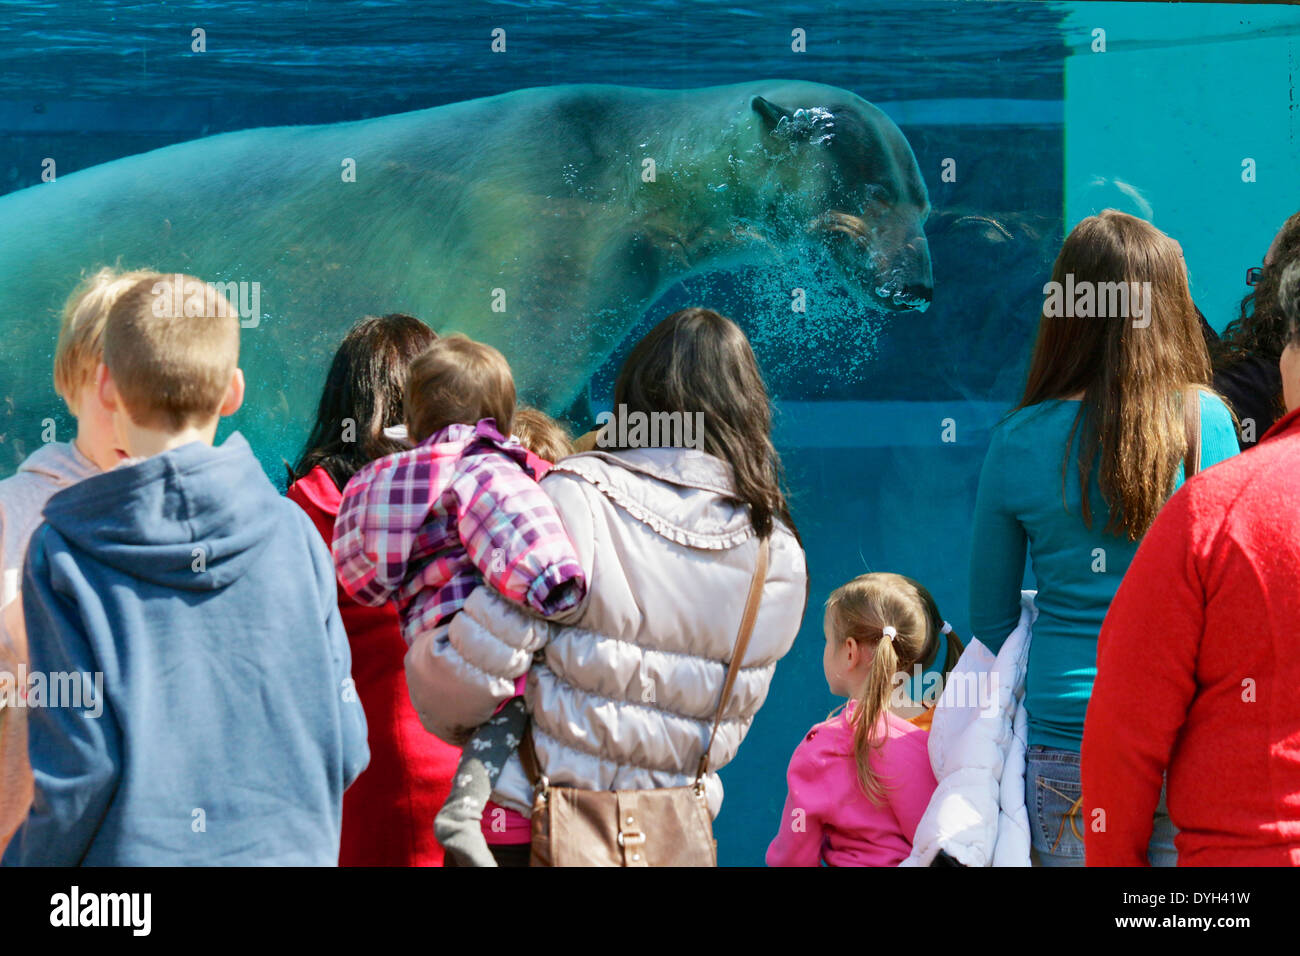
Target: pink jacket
(828, 817)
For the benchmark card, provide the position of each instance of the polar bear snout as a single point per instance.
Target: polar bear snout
(887, 264)
(910, 284)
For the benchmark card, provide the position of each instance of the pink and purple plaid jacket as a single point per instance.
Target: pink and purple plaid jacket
(425, 527)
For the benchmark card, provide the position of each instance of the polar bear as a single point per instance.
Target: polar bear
(543, 221)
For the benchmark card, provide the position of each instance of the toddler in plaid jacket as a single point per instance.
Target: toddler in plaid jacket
(424, 527)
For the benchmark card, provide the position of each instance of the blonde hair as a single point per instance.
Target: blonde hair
(81, 331)
(171, 343)
(861, 610)
(541, 434)
(457, 380)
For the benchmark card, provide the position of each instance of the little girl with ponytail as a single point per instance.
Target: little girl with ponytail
(860, 781)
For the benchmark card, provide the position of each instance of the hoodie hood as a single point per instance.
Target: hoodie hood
(193, 518)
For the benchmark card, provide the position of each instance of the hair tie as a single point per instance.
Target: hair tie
(888, 634)
(946, 629)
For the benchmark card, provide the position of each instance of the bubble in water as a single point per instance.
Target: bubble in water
(815, 124)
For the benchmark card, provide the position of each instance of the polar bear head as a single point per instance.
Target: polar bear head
(848, 181)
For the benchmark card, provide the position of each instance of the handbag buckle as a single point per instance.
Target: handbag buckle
(633, 838)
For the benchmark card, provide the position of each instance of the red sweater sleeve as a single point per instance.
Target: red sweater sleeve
(1146, 678)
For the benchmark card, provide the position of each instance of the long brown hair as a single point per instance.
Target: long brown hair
(699, 362)
(861, 610)
(1133, 379)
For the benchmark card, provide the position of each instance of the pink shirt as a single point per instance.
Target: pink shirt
(828, 817)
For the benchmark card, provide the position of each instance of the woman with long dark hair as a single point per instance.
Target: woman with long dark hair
(1075, 475)
(363, 396)
(388, 813)
(667, 515)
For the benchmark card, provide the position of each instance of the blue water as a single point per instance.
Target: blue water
(1044, 129)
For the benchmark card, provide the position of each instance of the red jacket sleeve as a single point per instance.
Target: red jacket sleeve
(1146, 678)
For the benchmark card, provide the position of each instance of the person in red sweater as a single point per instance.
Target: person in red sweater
(1198, 663)
(388, 813)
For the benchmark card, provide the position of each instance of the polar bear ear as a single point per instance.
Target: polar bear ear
(813, 124)
(769, 111)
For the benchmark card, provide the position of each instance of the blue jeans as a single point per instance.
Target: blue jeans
(1052, 787)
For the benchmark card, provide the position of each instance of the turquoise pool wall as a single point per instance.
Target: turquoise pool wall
(1161, 123)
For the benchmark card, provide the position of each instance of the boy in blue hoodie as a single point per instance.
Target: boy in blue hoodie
(196, 608)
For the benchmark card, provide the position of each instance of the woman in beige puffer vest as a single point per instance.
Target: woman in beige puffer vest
(623, 692)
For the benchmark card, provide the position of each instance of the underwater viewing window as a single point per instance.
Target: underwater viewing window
(874, 191)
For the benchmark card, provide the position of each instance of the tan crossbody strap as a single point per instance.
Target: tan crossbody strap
(738, 653)
(528, 755)
(1192, 428)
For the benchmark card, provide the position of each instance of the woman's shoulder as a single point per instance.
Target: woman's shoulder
(685, 468)
(316, 491)
(1218, 430)
(684, 496)
(1048, 412)
(1214, 408)
(1033, 428)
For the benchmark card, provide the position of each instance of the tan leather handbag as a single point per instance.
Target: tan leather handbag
(670, 826)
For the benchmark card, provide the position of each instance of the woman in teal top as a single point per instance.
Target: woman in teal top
(1103, 399)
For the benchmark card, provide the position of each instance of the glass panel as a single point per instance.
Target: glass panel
(1020, 117)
